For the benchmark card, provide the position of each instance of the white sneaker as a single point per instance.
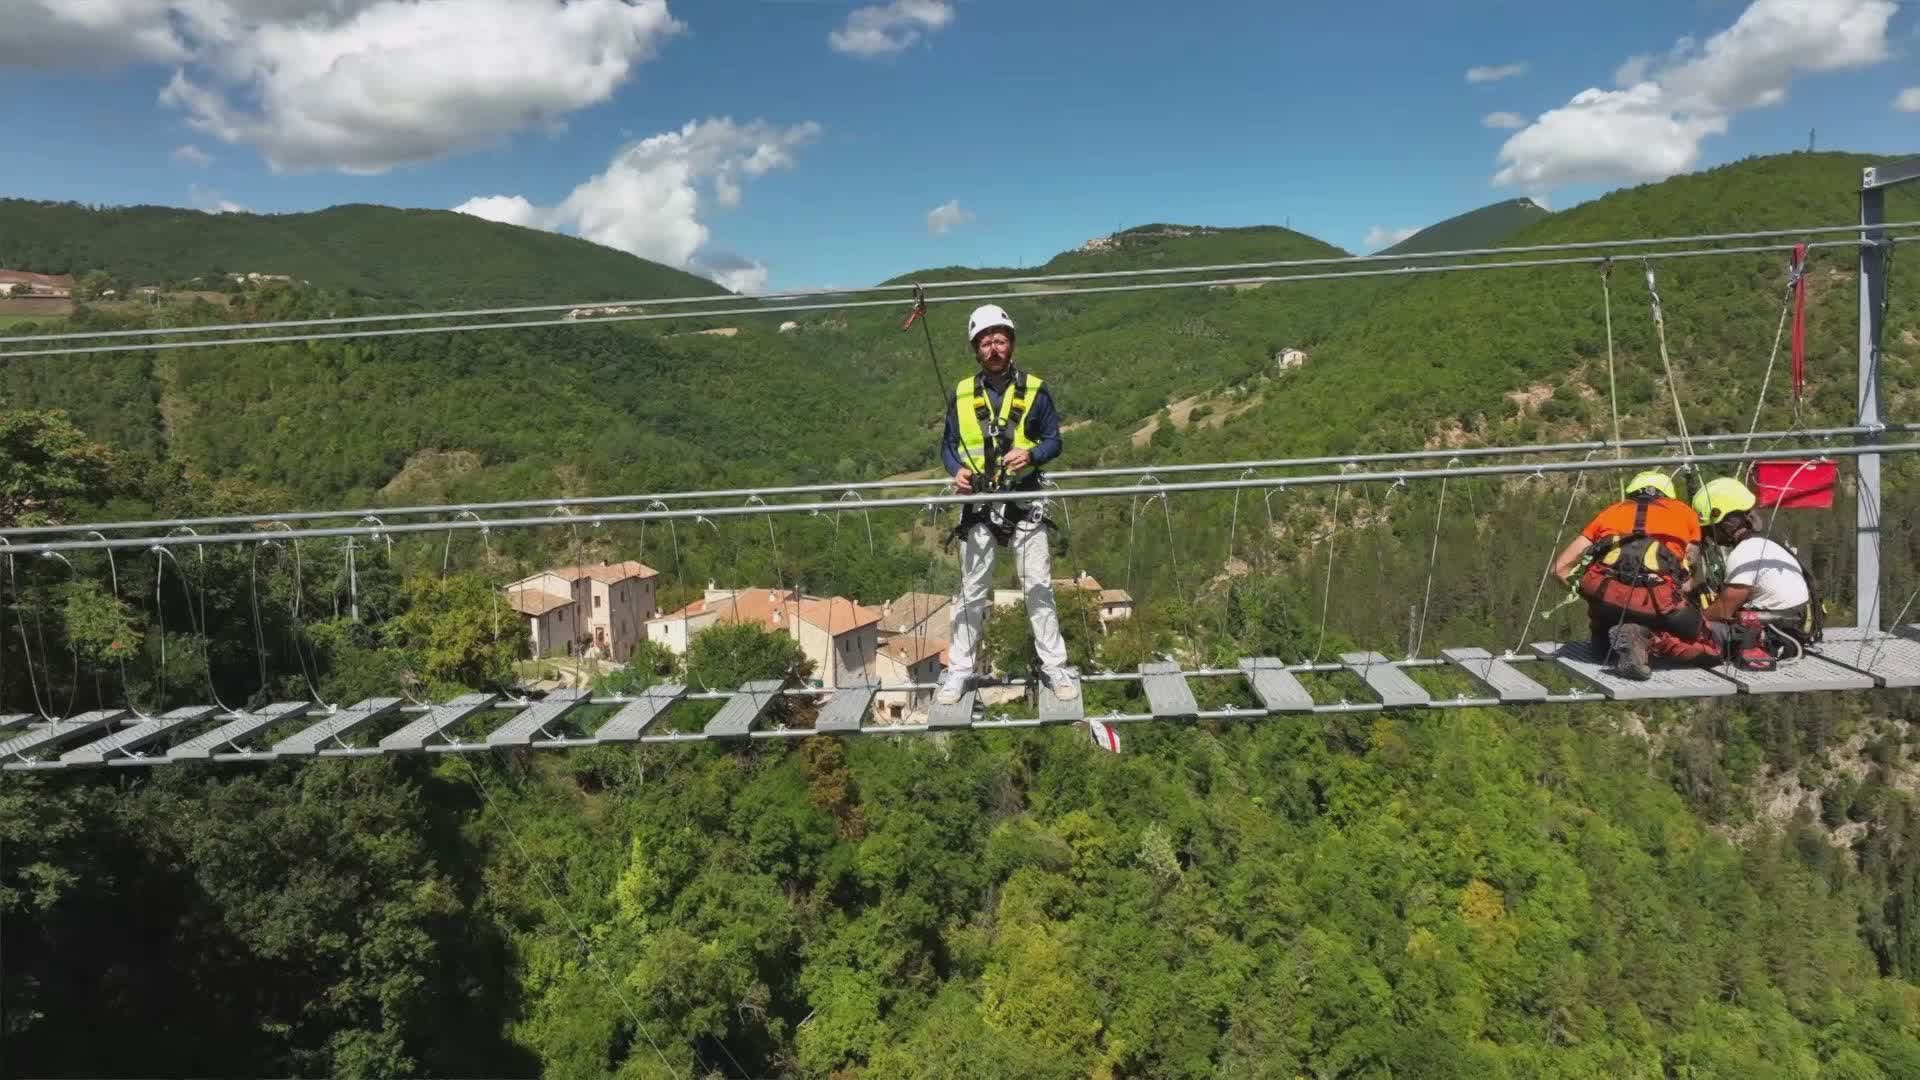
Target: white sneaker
(953, 686)
(1063, 685)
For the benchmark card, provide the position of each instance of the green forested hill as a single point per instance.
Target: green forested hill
(1724, 888)
(1480, 228)
(428, 257)
(651, 406)
(1154, 247)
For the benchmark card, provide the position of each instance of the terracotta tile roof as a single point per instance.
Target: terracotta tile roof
(1115, 596)
(912, 609)
(1085, 581)
(535, 601)
(779, 609)
(747, 606)
(607, 573)
(911, 651)
(837, 615)
(22, 277)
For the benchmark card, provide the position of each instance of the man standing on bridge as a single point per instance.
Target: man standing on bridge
(1000, 428)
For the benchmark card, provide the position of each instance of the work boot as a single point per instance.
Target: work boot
(1632, 646)
(953, 686)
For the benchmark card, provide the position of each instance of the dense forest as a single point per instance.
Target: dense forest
(433, 257)
(1689, 889)
(1480, 228)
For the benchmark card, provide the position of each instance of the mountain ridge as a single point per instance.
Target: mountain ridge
(360, 249)
(1484, 227)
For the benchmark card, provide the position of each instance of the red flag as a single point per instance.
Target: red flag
(1104, 736)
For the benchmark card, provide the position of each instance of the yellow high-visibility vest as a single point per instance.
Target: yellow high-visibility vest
(975, 414)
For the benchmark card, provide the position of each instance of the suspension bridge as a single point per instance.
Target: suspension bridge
(1863, 656)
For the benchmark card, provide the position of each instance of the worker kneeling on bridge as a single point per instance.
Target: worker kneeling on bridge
(1001, 427)
(1638, 579)
(1767, 607)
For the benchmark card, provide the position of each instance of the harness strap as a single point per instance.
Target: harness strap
(999, 437)
(1002, 530)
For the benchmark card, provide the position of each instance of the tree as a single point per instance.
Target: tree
(460, 631)
(46, 465)
(650, 663)
(1007, 637)
(724, 656)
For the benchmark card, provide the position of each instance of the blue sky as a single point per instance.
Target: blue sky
(797, 143)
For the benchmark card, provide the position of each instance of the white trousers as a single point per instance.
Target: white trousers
(1033, 561)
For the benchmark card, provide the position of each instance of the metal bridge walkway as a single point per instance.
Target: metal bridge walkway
(1849, 659)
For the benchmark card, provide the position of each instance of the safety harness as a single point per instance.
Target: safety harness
(999, 430)
(999, 435)
(1804, 625)
(1635, 571)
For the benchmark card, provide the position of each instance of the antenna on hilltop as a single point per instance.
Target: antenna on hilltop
(1810, 132)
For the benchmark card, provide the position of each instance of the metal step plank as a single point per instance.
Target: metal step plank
(534, 719)
(1275, 686)
(1393, 686)
(437, 719)
(1167, 692)
(56, 733)
(229, 734)
(744, 709)
(1053, 710)
(8, 723)
(1808, 672)
(306, 742)
(1497, 675)
(952, 717)
(1892, 660)
(1584, 659)
(142, 734)
(635, 717)
(844, 711)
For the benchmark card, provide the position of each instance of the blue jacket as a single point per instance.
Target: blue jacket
(1042, 426)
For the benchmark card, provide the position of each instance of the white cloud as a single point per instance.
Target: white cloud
(1633, 72)
(211, 201)
(1494, 73)
(1606, 135)
(355, 85)
(511, 209)
(650, 198)
(1505, 120)
(1381, 236)
(1909, 100)
(1748, 64)
(192, 155)
(1653, 127)
(946, 216)
(735, 272)
(884, 29)
(90, 33)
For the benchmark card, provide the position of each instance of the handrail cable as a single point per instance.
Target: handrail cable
(879, 485)
(405, 331)
(1029, 279)
(1156, 488)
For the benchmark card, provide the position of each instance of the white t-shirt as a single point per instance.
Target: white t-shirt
(1771, 571)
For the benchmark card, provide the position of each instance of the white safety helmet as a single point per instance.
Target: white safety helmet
(986, 317)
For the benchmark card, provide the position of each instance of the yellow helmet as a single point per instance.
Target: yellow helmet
(1720, 497)
(1655, 479)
